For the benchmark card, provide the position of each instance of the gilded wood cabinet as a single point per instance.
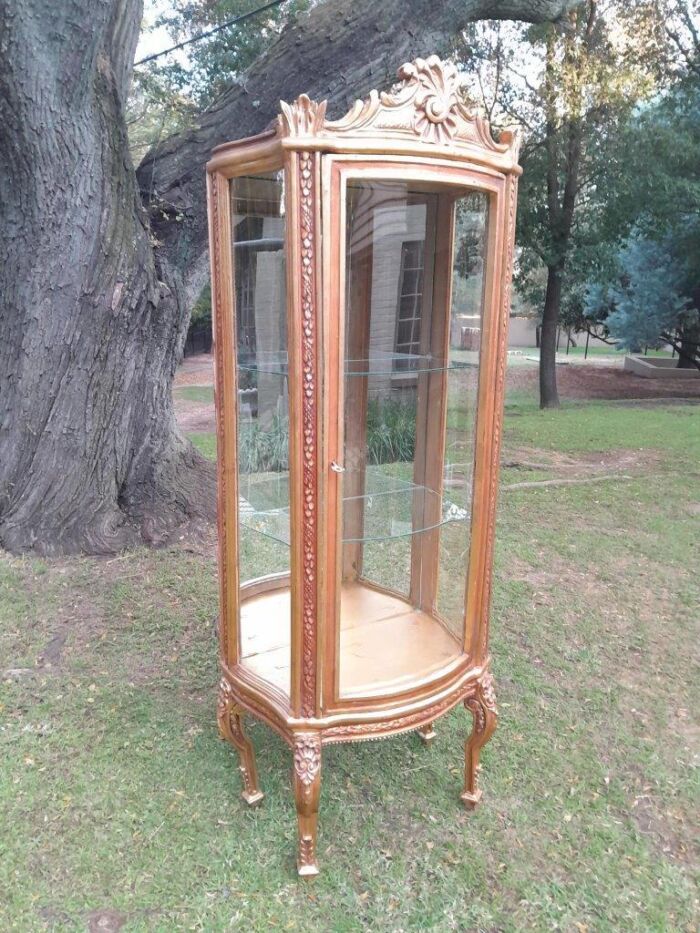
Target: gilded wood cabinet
(361, 282)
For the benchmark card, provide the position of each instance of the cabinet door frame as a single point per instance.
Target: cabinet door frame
(337, 171)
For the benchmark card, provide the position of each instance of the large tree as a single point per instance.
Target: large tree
(650, 295)
(572, 87)
(95, 294)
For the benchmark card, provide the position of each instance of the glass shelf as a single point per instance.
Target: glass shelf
(377, 364)
(389, 504)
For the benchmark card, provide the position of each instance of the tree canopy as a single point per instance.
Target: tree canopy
(578, 91)
(649, 293)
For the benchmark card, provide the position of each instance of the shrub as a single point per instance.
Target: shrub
(391, 438)
(391, 431)
(264, 450)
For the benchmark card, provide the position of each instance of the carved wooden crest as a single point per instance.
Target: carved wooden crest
(426, 103)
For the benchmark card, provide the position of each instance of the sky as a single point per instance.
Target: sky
(155, 40)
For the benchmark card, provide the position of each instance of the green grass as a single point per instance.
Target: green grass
(116, 794)
(205, 444)
(195, 393)
(604, 426)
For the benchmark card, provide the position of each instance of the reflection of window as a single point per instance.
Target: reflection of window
(250, 228)
(410, 301)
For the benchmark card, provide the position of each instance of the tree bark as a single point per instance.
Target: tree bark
(93, 317)
(563, 146)
(90, 456)
(689, 349)
(549, 395)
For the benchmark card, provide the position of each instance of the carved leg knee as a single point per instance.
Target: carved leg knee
(307, 790)
(426, 734)
(482, 706)
(230, 718)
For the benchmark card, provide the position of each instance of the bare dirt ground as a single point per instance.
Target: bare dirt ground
(581, 381)
(195, 417)
(196, 371)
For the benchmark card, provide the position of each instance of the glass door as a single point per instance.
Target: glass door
(413, 296)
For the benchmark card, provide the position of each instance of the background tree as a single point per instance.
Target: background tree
(571, 87)
(650, 295)
(155, 110)
(216, 61)
(221, 39)
(94, 309)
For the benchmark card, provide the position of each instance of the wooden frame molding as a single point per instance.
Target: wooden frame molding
(422, 133)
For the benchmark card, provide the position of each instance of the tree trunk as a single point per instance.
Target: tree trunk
(93, 320)
(90, 456)
(549, 396)
(689, 349)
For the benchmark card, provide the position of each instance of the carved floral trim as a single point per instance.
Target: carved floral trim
(222, 490)
(307, 757)
(488, 691)
(494, 467)
(388, 727)
(309, 433)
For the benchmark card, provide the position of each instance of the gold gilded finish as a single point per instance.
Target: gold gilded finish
(482, 706)
(427, 734)
(291, 666)
(230, 719)
(307, 790)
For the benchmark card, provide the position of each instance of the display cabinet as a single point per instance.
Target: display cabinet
(361, 275)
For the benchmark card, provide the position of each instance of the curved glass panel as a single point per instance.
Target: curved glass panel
(414, 260)
(258, 242)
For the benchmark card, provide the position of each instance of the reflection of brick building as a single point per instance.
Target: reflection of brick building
(395, 231)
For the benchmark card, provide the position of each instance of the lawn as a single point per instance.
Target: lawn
(120, 807)
(195, 393)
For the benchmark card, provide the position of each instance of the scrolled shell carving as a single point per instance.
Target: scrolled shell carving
(483, 703)
(437, 103)
(425, 103)
(224, 702)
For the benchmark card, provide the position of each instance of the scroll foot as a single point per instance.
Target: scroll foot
(307, 791)
(427, 734)
(230, 719)
(482, 706)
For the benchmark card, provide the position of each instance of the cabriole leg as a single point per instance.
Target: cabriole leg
(230, 718)
(482, 706)
(426, 734)
(307, 790)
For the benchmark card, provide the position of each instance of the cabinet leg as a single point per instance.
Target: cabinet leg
(482, 706)
(307, 790)
(426, 734)
(230, 719)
